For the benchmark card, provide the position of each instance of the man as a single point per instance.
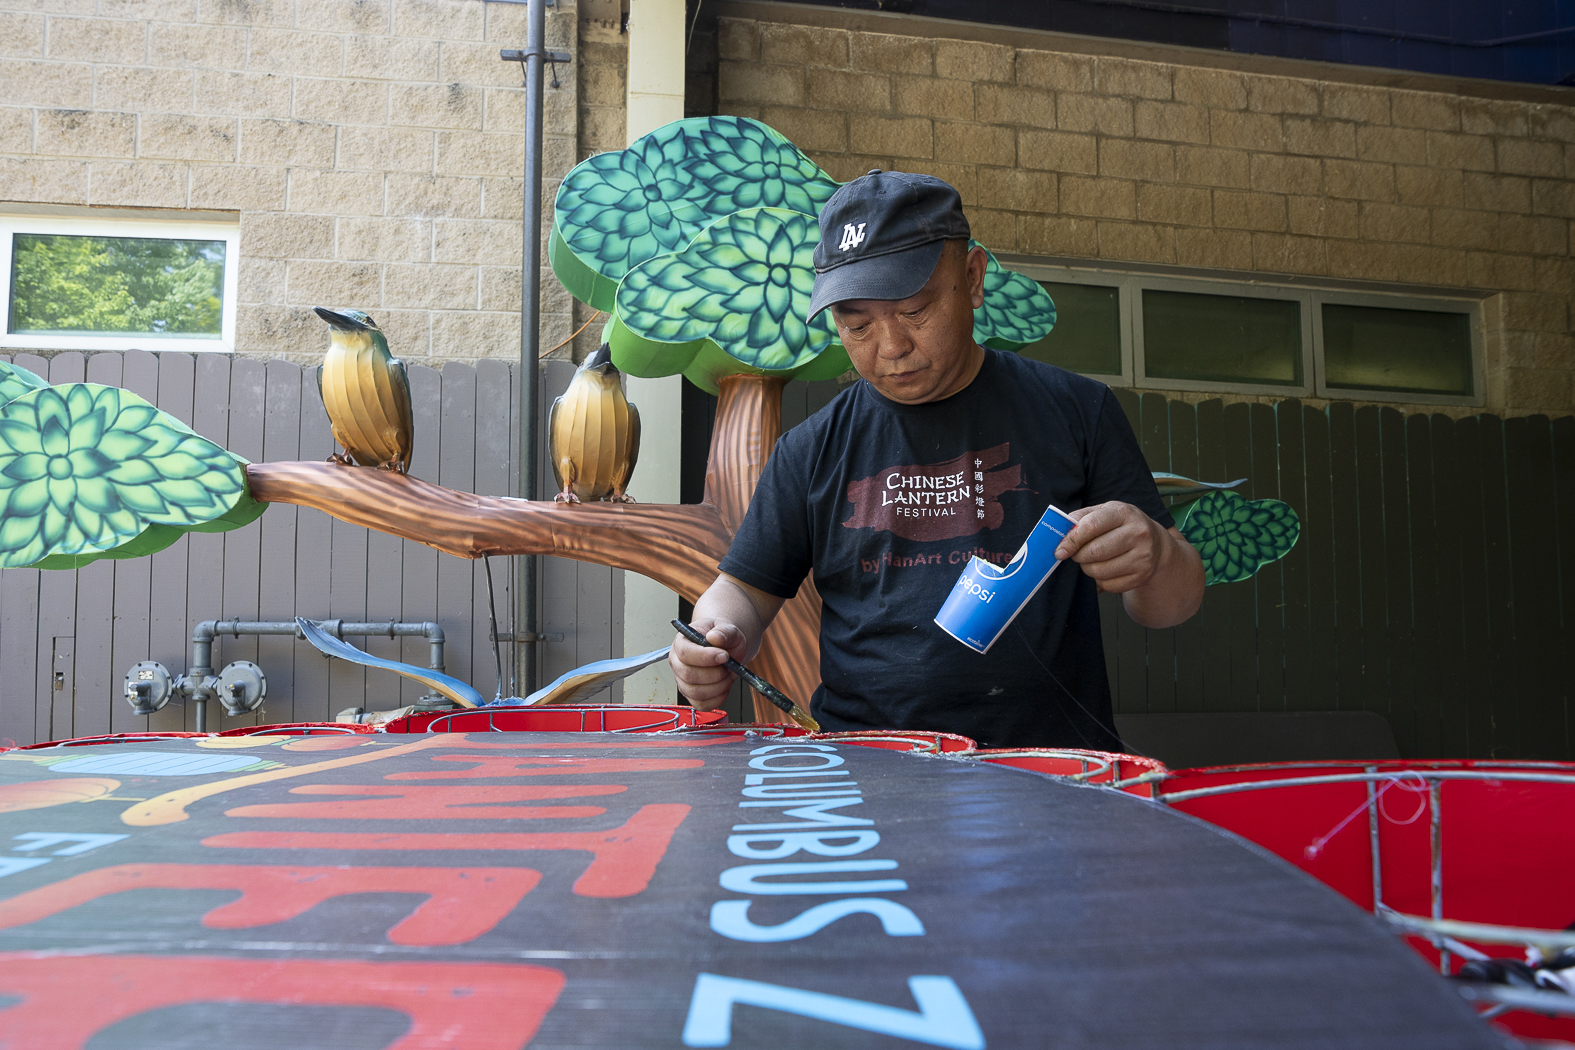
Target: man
(943, 451)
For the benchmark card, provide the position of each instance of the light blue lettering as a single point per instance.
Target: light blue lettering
(778, 747)
(809, 814)
(731, 919)
(942, 1018)
(816, 842)
(744, 879)
(801, 790)
(828, 761)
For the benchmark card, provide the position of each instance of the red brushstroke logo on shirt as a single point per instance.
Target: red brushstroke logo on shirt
(936, 501)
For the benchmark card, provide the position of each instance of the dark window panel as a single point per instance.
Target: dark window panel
(1221, 338)
(1087, 333)
(1407, 351)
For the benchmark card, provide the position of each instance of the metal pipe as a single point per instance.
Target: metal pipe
(1394, 764)
(1356, 778)
(1372, 837)
(1481, 932)
(525, 567)
(1436, 841)
(1519, 998)
(204, 633)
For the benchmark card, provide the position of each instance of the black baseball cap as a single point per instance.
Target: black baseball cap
(881, 236)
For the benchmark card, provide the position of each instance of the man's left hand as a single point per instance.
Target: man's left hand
(1117, 545)
(1124, 551)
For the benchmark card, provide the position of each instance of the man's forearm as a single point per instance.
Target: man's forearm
(1175, 590)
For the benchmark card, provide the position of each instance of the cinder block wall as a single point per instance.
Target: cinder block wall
(604, 112)
(1062, 152)
(372, 150)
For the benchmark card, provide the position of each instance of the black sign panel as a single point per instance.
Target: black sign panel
(496, 890)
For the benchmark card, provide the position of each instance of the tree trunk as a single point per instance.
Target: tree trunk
(748, 423)
(678, 546)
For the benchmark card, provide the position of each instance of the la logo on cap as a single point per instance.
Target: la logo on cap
(852, 236)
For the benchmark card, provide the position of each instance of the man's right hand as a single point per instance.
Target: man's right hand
(698, 669)
(733, 616)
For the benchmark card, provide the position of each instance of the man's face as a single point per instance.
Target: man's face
(919, 349)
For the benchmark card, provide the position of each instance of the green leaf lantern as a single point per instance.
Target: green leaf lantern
(1237, 537)
(90, 471)
(653, 234)
(1017, 311)
(733, 301)
(14, 382)
(618, 209)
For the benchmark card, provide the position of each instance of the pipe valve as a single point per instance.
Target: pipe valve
(241, 687)
(148, 687)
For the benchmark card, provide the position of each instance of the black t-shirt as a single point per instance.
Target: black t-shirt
(887, 502)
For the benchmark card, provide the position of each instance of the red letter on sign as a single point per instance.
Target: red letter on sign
(501, 766)
(478, 1006)
(624, 858)
(432, 803)
(462, 904)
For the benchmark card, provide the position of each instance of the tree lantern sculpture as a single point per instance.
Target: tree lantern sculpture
(697, 240)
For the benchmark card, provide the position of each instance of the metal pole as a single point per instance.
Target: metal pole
(1436, 835)
(530, 321)
(1372, 838)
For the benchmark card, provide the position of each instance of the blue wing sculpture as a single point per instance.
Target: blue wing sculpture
(328, 645)
(585, 682)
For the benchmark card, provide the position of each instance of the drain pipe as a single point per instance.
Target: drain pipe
(200, 685)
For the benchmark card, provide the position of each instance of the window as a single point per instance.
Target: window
(1175, 333)
(115, 283)
(1384, 348)
(1087, 336)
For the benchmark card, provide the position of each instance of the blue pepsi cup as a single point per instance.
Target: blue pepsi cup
(987, 598)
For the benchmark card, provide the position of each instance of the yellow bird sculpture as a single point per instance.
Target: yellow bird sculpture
(593, 434)
(366, 393)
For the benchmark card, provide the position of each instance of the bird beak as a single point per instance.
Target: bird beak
(340, 321)
(600, 361)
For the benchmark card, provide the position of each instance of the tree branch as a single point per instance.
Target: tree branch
(677, 546)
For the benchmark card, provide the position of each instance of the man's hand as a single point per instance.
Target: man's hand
(1118, 546)
(733, 616)
(698, 669)
(1126, 552)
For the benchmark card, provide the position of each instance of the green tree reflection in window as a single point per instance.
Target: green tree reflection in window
(73, 285)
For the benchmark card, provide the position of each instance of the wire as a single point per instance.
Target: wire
(696, 21)
(573, 337)
(1127, 748)
(1398, 780)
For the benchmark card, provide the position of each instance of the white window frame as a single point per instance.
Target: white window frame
(1311, 298)
(1439, 305)
(1234, 290)
(167, 229)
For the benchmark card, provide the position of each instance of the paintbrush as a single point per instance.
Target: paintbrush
(758, 684)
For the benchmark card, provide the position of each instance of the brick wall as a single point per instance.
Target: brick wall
(372, 150)
(1105, 157)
